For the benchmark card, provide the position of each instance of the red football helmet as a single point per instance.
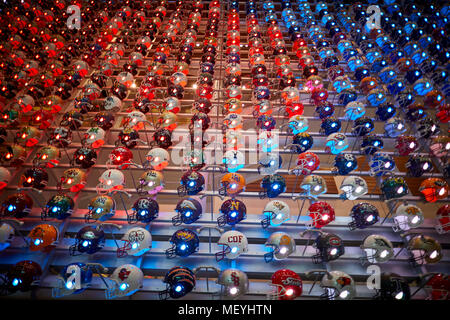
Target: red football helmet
(434, 189)
(443, 219)
(120, 156)
(288, 285)
(321, 214)
(294, 109)
(307, 163)
(406, 145)
(439, 284)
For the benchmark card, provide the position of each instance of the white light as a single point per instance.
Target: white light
(359, 189)
(234, 250)
(233, 290)
(384, 254)
(279, 216)
(344, 294)
(194, 86)
(283, 250)
(135, 245)
(400, 190)
(399, 295)
(316, 188)
(123, 286)
(289, 292)
(387, 165)
(434, 254)
(415, 220)
(442, 191)
(369, 218)
(183, 247)
(69, 285)
(333, 251)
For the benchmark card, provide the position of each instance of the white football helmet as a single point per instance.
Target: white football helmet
(338, 286)
(268, 140)
(336, 143)
(298, 124)
(394, 127)
(94, 137)
(353, 187)
(125, 78)
(234, 160)
(135, 120)
(233, 140)
(281, 246)
(137, 241)
(407, 216)
(378, 249)
(110, 180)
(112, 103)
(5, 176)
(269, 164)
(124, 281)
(354, 110)
(234, 283)
(157, 158)
(233, 243)
(276, 212)
(6, 236)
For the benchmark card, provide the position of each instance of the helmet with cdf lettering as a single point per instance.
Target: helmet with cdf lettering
(17, 205)
(232, 212)
(188, 211)
(275, 213)
(353, 187)
(234, 283)
(179, 282)
(338, 286)
(100, 208)
(377, 249)
(424, 250)
(434, 189)
(59, 207)
(151, 182)
(443, 219)
(126, 280)
(288, 285)
(43, 237)
(137, 241)
(406, 217)
(381, 164)
(321, 214)
(280, 246)
(233, 243)
(184, 242)
(336, 143)
(314, 185)
(111, 180)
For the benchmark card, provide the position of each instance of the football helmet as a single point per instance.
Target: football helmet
(407, 216)
(110, 180)
(363, 216)
(23, 276)
(100, 208)
(184, 242)
(440, 146)
(302, 142)
(5, 176)
(275, 213)
(427, 127)
(232, 184)
(442, 219)
(298, 124)
(371, 144)
(179, 282)
(330, 125)
(88, 239)
(424, 250)
(126, 280)
(377, 249)
(191, 183)
(27, 136)
(233, 243)
(395, 127)
(144, 210)
(386, 112)
(68, 277)
(47, 156)
(353, 187)
(269, 164)
(17, 205)
(336, 143)
(392, 287)
(234, 283)
(150, 182)
(280, 246)
(313, 186)
(362, 126)
(439, 285)
(393, 188)
(307, 163)
(325, 109)
(137, 241)
(405, 145)
(288, 285)
(163, 138)
(338, 286)
(94, 137)
(354, 110)
(434, 189)
(329, 247)
(129, 138)
(321, 214)
(273, 186)
(187, 211)
(7, 233)
(85, 157)
(59, 207)
(60, 137)
(43, 238)
(344, 163)
(232, 212)
(381, 164)
(121, 157)
(35, 177)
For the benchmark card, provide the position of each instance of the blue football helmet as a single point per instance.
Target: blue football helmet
(179, 282)
(192, 182)
(325, 109)
(144, 210)
(273, 186)
(371, 144)
(362, 126)
(303, 142)
(386, 111)
(184, 243)
(232, 212)
(381, 164)
(188, 211)
(330, 125)
(344, 163)
(363, 216)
